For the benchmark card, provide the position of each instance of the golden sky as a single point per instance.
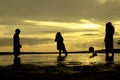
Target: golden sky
(81, 22)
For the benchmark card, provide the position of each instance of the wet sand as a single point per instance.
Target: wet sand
(52, 67)
(109, 71)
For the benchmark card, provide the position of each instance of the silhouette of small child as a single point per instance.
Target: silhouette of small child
(91, 49)
(60, 44)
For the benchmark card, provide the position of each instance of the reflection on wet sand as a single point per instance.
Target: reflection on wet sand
(73, 59)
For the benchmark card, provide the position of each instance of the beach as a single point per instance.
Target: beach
(52, 67)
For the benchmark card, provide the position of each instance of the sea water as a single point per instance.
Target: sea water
(73, 59)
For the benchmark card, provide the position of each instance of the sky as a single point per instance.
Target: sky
(81, 22)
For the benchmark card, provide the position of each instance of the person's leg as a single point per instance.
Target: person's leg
(64, 51)
(16, 52)
(113, 56)
(17, 59)
(112, 51)
(107, 51)
(107, 54)
(59, 52)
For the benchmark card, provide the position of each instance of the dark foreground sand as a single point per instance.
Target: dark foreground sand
(108, 71)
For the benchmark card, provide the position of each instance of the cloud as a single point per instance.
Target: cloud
(58, 10)
(107, 1)
(2, 30)
(5, 42)
(90, 34)
(101, 1)
(25, 41)
(43, 18)
(70, 25)
(35, 28)
(36, 41)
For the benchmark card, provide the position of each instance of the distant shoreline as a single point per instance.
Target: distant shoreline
(71, 52)
(11, 53)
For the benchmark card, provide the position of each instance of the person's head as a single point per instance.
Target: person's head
(91, 49)
(108, 24)
(17, 31)
(58, 34)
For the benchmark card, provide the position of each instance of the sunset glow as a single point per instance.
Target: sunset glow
(81, 22)
(70, 25)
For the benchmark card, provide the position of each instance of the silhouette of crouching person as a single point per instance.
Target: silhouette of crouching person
(60, 45)
(16, 47)
(91, 49)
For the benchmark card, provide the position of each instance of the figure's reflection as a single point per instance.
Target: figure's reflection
(109, 63)
(60, 60)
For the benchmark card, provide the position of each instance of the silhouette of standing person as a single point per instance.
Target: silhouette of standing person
(109, 41)
(60, 45)
(16, 43)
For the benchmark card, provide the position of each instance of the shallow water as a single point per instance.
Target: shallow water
(53, 59)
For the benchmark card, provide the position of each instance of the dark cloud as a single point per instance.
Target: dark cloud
(25, 41)
(90, 34)
(58, 10)
(36, 41)
(6, 42)
(89, 30)
(99, 43)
